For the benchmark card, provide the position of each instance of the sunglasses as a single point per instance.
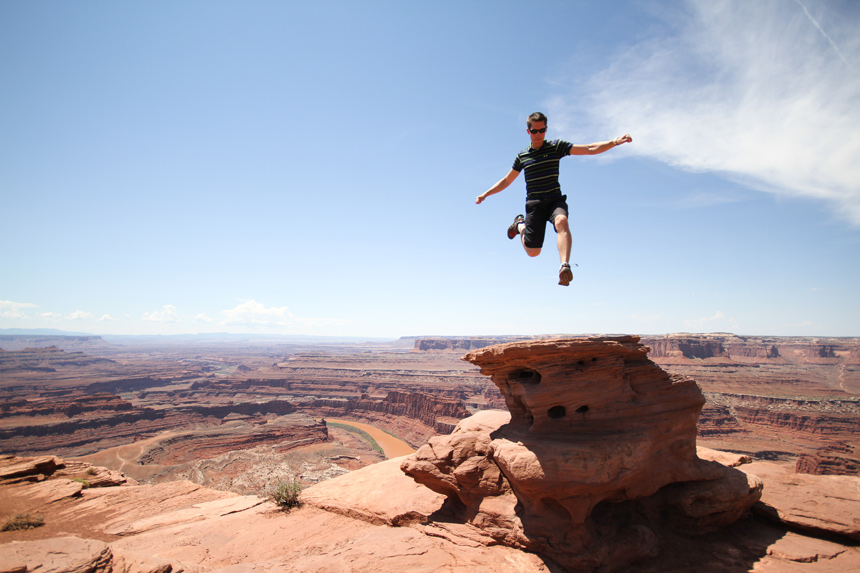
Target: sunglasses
(541, 130)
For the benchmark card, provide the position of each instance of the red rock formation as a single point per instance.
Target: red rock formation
(44, 360)
(15, 469)
(839, 459)
(285, 432)
(439, 414)
(730, 346)
(460, 344)
(68, 407)
(599, 442)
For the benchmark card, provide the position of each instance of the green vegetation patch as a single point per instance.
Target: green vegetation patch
(359, 432)
(287, 494)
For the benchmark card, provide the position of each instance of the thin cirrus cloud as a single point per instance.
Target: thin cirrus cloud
(764, 93)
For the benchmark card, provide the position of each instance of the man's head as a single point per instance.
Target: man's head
(536, 117)
(537, 128)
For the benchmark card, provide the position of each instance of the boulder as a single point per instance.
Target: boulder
(12, 467)
(596, 454)
(378, 494)
(57, 555)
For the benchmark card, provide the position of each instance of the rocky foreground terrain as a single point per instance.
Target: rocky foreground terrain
(593, 465)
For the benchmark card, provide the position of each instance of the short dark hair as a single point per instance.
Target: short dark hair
(536, 116)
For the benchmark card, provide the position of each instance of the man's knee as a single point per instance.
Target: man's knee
(560, 223)
(531, 251)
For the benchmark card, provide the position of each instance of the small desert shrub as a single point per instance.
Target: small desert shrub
(287, 494)
(85, 483)
(91, 471)
(24, 521)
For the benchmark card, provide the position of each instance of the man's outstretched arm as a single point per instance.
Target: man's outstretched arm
(595, 148)
(503, 184)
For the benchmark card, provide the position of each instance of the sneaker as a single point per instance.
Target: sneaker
(565, 275)
(514, 229)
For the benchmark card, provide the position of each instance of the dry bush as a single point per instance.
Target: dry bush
(24, 521)
(287, 494)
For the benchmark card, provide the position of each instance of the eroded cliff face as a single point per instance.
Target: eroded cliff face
(430, 344)
(598, 442)
(731, 346)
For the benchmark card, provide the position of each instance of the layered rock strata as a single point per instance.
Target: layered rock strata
(596, 456)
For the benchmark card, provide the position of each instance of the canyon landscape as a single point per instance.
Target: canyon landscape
(652, 453)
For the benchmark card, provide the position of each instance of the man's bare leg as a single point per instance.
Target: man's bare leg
(564, 238)
(565, 275)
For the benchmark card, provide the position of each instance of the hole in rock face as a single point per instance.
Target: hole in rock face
(525, 376)
(556, 412)
(582, 410)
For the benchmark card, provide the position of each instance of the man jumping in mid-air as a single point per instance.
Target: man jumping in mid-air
(544, 201)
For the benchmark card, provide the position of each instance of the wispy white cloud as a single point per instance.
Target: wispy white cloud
(253, 312)
(765, 93)
(203, 318)
(168, 313)
(13, 310)
(79, 315)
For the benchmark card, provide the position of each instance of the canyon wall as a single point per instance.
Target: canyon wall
(787, 399)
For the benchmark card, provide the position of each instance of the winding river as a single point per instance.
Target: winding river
(391, 446)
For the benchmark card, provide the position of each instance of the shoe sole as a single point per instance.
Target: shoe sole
(513, 230)
(564, 277)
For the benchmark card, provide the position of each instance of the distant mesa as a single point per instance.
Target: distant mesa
(686, 346)
(460, 344)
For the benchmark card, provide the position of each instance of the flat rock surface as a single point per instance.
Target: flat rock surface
(378, 494)
(183, 526)
(828, 504)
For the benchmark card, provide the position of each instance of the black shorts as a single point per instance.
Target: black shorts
(538, 213)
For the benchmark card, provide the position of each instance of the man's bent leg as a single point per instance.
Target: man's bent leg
(531, 251)
(533, 229)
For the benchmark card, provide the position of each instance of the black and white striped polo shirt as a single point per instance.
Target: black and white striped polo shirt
(541, 167)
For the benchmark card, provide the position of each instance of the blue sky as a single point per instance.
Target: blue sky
(312, 167)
